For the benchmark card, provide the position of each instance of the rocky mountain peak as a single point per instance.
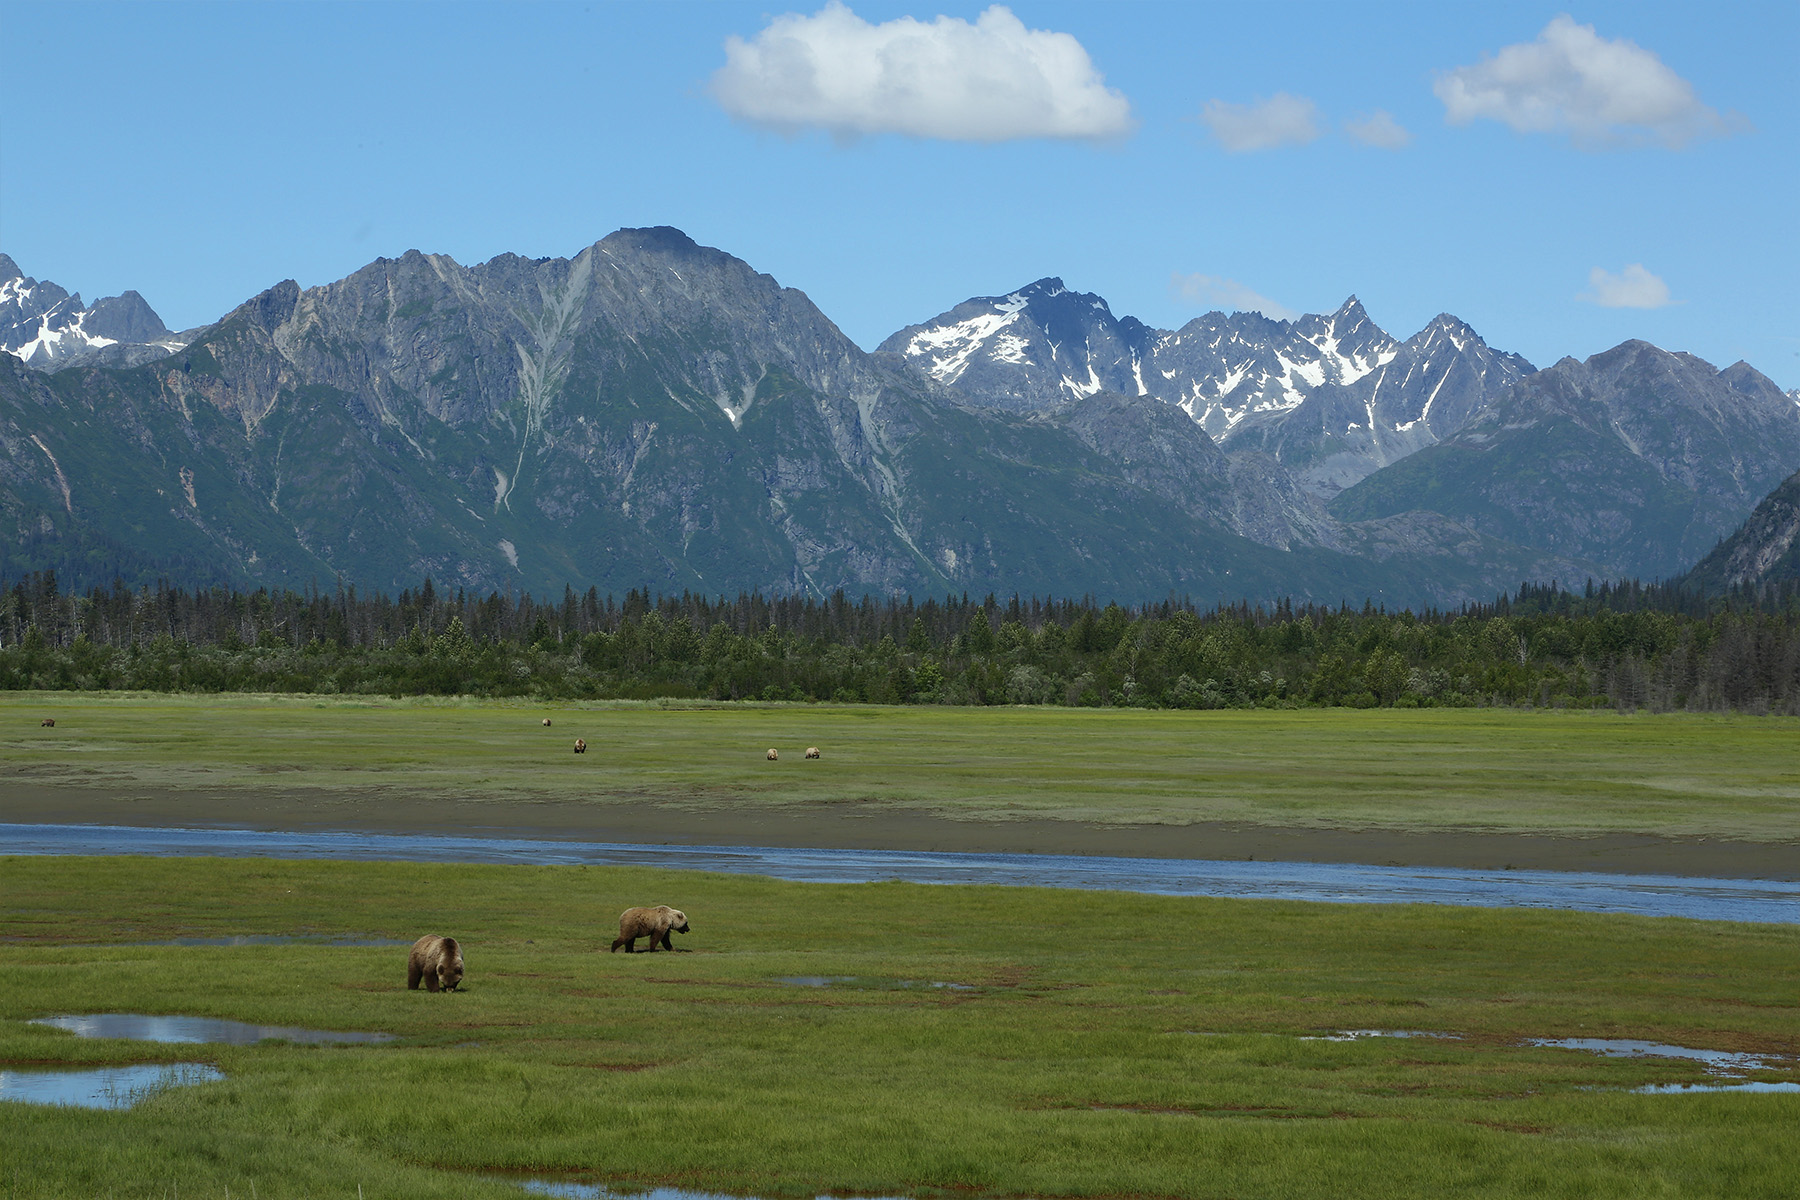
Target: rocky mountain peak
(49, 328)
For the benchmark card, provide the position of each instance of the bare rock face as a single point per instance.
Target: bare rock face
(47, 328)
(1331, 397)
(1764, 550)
(1638, 460)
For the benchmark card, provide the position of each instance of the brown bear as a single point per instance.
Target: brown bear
(546, 722)
(49, 723)
(812, 752)
(436, 960)
(773, 754)
(580, 746)
(653, 923)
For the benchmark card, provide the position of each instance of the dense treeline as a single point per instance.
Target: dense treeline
(1626, 646)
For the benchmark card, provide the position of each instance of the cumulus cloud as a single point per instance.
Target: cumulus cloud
(1634, 287)
(1211, 291)
(1380, 130)
(991, 81)
(1570, 80)
(1281, 120)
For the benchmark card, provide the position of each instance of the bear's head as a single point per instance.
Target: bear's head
(678, 920)
(450, 968)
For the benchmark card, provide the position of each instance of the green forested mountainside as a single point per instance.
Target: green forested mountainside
(1765, 549)
(1625, 647)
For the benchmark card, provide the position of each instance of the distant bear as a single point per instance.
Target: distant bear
(436, 960)
(773, 754)
(49, 723)
(653, 923)
(546, 721)
(812, 752)
(580, 746)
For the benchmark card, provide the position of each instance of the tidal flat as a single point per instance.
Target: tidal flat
(1477, 788)
(1096, 1044)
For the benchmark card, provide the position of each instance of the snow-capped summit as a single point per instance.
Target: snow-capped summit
(1252, 382)
(49, 328)
(1034, 348)
(1225, 368)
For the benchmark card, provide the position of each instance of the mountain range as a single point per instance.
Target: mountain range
(654, 413)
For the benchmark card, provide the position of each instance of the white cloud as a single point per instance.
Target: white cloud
(1600, 92)
(992, 81)
(1281, 120)
(1634, 287)
(1210, 291)
(1380, 130)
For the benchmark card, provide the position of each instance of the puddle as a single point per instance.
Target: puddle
(815, 980)
(1716, 1062)
(599, 1191)
(103, 1087)
(1775, 901)
(1666, 1089)
(138, 1027)
(1357, 1035)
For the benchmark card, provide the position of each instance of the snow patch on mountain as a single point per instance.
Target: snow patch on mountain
(1243, 377)
(48, 328)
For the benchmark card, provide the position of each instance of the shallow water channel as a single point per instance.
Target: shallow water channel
(1774, 901)
(124, 1086)
(143, 1027)
(102, 1087)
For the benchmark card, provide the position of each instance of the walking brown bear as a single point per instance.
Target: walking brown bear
(653, 923)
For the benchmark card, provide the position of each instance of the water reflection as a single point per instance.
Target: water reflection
(1665, 1089)
(1357, 1035)
(1718, 1062)
(1649, 895)
(102, 1087)
(139, 1027)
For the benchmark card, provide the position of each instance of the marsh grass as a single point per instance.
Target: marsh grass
(1488, 770)
(1110, 1044)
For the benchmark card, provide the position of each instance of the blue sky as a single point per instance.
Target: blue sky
(1561, 178)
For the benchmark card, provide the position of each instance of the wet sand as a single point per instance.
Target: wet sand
(870, 827)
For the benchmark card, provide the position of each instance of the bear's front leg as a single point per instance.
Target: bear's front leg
(666, 943)
(431, 981)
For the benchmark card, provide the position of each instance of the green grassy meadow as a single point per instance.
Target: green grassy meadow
(1488, 770)
(1106, 1044)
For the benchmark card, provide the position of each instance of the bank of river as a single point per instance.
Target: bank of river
(1768, 901)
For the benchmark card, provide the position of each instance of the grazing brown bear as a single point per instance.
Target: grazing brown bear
(653, 923)
(546, 722)
(49, 723)
(773, 754)
(580, 746)
(436, 960)
(812, 752)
